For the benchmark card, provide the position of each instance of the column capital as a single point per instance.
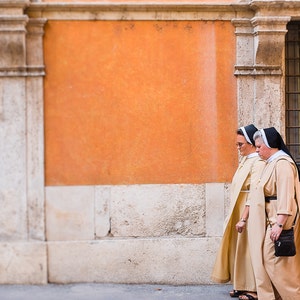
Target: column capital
(270, 23)
(21, 41)
(34, 47)
(269, 39)
(242, 26)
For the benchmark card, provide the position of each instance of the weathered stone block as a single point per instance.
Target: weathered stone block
(215, 207)
(102, 211)
(23, 263)
(158, 210)
(70, 213)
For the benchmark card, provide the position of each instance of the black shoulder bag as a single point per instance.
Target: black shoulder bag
(285, 245)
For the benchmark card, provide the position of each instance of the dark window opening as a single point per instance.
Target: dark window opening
(292, 89)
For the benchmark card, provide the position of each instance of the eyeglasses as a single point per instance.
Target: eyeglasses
(239, 145)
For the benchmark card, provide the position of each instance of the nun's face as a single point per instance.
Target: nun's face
(242, 145)
(263, 151)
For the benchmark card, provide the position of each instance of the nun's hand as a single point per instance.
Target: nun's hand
(240, 226)
(275, 232)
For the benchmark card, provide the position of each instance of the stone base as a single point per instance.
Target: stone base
(23, 263)
(173, 261)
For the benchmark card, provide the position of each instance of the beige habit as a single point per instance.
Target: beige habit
(276, 178)
(233, 260)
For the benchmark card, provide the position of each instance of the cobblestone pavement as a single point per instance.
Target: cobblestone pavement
(95, 291)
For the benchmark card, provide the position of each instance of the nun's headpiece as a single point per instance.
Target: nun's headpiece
(272, 139)
(248, 132)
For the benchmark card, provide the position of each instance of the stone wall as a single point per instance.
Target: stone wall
(112, 233)
(133, 234)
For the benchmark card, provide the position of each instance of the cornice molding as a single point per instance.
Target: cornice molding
(156, 11)
(276, 7)
(138, 11)
(11, 7)
(274, 4)
(14, 3)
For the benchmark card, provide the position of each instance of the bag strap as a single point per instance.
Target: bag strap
(296, 212)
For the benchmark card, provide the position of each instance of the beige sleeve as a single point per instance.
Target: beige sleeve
(285, 183)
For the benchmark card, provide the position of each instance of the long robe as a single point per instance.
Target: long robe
(279, 177)
(233, 261)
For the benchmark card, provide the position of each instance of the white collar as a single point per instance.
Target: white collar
(277, 154)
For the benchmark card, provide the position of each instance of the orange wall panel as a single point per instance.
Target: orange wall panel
(130, 102)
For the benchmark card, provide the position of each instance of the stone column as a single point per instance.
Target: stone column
(260, 59)
(22, 248)
(35, 129)
(269, 46)
(243, 71)
(13, 175)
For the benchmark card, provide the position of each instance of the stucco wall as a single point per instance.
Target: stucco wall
(130, 102)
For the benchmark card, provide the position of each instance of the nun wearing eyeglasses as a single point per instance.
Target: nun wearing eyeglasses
(233, 263)
(274, 201)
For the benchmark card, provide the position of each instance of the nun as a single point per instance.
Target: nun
(274, 201)
(233, 263)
